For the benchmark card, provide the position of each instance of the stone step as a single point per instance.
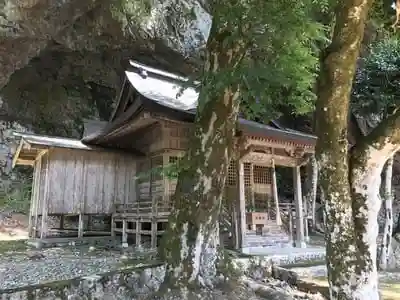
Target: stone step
(270, 244)
(280, 238)
(268, 234)
(267, 239)
(266, 242)
(271, 235)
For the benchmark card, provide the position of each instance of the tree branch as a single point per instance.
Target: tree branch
(387, 132)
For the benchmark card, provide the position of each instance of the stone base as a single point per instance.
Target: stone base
(35, 243)
(301, 244)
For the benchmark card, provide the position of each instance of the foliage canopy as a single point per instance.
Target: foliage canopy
(281, 62)
(376, 88)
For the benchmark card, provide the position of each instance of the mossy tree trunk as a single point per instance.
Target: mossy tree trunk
(367, 159)
(386, 244)
(338, 64)
(191, 242)
(350, 180)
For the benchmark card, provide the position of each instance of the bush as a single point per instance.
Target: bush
(16, 197)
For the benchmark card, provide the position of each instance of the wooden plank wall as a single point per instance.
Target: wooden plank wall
(176, 135)
(89, 182)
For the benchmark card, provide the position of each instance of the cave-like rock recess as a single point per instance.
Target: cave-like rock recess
(62, 61)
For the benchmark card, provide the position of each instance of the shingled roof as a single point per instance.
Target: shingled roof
(170, 94)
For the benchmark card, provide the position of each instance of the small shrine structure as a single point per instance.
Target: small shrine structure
(149, 129)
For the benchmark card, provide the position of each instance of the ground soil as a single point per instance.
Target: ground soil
(13, 226)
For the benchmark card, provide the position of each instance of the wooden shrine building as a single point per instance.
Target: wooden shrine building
(73, 179)
(151, 127)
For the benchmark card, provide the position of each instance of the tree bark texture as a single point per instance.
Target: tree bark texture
(191, 244)
(386, 245)
(350, 180)
(338, 63)
(367, 159)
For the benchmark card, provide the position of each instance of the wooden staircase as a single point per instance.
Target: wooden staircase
(273, 235)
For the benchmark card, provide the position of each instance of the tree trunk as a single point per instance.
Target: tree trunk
(334, 87)
(365, 184)
(191, 242)
(388, 200)
(368, 158)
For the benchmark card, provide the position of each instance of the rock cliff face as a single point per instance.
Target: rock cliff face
(63, 60)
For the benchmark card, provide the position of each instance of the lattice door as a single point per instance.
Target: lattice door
(262, 188)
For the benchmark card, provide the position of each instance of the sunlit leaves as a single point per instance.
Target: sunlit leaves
(281, 60)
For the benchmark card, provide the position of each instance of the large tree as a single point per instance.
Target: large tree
(255, 52)
(376, 95)
(350, 179)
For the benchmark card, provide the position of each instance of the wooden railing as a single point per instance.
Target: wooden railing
(143, 207)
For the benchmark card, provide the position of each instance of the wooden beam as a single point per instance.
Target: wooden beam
(264, 159)
(41, 154)
(25, 162)
(17, 152)
(117, 106)
(278, 144)
(143, 120)
(304, 160)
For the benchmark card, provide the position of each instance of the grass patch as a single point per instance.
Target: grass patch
(16, 197)
(13, 246)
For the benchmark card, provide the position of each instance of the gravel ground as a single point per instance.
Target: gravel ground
(34, 267)
(21, 268)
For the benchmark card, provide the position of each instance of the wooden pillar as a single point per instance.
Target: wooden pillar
(90, 223)
(154, 234)
(112, 226)
(235, 227)
(306, 237)
(124, 234)
(298, 199)
(43, 228)
(62, 221)
(275, 195)
(290, 215)
(241, 207)
(32, 227)
(138, 234)
(80, 226)
(253, 200)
